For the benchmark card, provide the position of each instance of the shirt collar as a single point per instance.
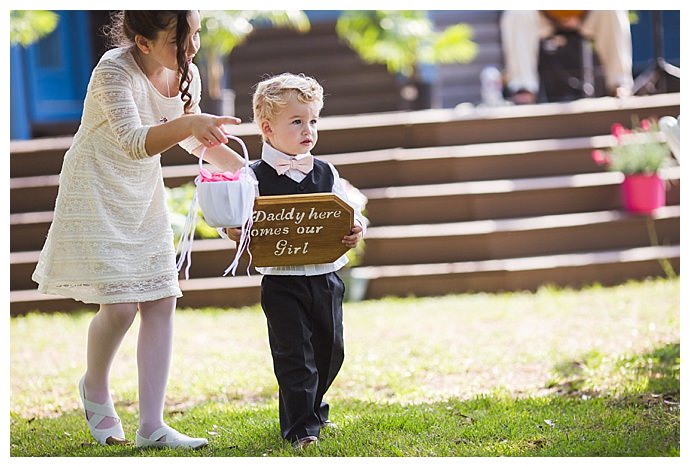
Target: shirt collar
(270, 155)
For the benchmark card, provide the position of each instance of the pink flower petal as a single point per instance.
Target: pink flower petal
(599, 157)
(617, 130)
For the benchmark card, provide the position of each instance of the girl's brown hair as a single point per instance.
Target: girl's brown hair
(124, 25)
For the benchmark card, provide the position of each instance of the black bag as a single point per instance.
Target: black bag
(566, 67)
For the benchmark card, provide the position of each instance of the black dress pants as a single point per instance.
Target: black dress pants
(305, 331)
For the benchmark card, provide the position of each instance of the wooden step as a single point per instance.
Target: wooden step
(41, 156)
(454, 242)
(221, 292)
(251, 71)
(418, 129)
(22, 265)
(28, 230)
(210, 258)
(472, 162)
(30, 194)
(198, 293)
(568, 270)
(448, 127)
(393, 167)
(498, 199)
(27, 301)
(265, 43)
(440, 203)
(529, 273)
(519, 237)
(390, 167)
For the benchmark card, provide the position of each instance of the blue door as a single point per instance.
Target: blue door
(643, 38)
(57, 70)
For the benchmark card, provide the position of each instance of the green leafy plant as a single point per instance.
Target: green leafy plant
(402, 39)
(223, 30)
(179, 199)
(28, 26)
(637, 151)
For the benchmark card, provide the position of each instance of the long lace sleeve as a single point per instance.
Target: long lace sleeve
(111, 87)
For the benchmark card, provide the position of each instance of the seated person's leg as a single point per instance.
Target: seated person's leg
(521, 31)
(610, 31)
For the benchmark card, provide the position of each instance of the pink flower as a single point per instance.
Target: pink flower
(636, 150)
(600, 157)
(618, 130)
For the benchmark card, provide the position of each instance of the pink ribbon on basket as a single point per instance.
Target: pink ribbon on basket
(206, 175)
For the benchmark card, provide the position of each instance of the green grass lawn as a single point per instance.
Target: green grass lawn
(558, 372)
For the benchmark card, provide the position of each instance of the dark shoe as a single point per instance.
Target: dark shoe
(524, 97)
(305, 442)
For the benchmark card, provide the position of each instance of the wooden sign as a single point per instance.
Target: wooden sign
(294, 230)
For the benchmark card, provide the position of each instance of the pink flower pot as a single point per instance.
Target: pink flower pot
(643, 194)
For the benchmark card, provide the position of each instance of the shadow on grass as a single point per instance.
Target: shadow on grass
(641, 420)
(656, 373)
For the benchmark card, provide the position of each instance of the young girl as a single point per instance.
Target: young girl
(302, 304)
(111, 242)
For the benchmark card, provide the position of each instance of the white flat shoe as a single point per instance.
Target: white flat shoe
(105, 436)
(173, 439)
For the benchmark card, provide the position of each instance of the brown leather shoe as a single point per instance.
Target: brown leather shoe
(305, 442)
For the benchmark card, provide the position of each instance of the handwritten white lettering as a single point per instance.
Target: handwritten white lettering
(283, 215)
(285, 248)
(320, 215)
(267, 231)
(309, 229)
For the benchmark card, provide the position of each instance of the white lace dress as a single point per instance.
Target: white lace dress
(111, 240)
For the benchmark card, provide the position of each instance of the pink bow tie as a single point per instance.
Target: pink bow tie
(304, 164)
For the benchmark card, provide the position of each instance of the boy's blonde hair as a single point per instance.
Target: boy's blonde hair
(272, 94)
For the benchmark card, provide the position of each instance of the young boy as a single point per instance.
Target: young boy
(302, 304)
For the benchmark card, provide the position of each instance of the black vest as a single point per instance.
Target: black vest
(319, 180)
